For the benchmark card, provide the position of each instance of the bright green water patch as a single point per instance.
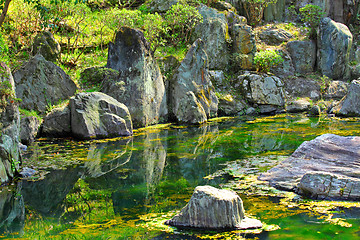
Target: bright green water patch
(125, 188)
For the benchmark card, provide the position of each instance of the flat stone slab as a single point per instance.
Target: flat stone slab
(327, 167)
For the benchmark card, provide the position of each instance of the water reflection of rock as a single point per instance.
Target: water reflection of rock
(106, 157)
(192, 153)
(145, 170)
(46, 196)
(12, 210)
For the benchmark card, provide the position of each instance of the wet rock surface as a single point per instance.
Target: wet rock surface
(211, 208)
(325, 168)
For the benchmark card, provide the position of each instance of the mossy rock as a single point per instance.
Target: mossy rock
(94, 76)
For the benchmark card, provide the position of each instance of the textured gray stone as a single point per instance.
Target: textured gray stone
(97, 115)
(326, 167)
(334, 44)
(57, 123)
(140, 84)
(192, 98)
(262, 89)
(29, 127)
(336, 90)
(40, 83)
(303, 55)
(274, 36)
(46, 45)
(300, 105)
(350, 104)
(213, 30)
(211, 208)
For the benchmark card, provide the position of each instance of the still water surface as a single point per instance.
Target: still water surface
(126, 188)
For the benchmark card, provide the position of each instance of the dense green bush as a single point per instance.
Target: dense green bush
(264, 60)
(310, 15)
(181, 20)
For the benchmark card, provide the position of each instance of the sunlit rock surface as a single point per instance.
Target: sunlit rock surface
(212, 208)
(327, 167)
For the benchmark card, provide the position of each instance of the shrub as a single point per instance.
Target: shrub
(311, 15)
(264, 60)
(181, 20)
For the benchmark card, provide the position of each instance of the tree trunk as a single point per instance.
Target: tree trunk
(4, 11)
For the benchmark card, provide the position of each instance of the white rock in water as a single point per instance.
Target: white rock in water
(212, 208)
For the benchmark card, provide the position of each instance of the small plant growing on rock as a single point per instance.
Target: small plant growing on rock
(264, 60)
(310, 15)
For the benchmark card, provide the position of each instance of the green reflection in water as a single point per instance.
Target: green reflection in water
(126, 188)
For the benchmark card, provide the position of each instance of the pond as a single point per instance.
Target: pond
(125, 188)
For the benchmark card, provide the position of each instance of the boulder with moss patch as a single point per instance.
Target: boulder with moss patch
(243, 45)
(216, 209)
(40, 83)
(95, 76)
(334, 44)
(213, 30)
(46, 45)
(140, 83)
(97, 115)
(192, 98)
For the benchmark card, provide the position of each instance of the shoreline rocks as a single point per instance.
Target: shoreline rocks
(326, 167)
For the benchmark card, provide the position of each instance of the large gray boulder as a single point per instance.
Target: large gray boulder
(97, 115)
(327, 168)
(334, 43)
(57, 123)
(46, 45)
(212, 208)
(213, 30)
(10, 157)
(303, 55)
(40, 83)
(29, 127)
(350, 105)
(140, 84)
(262, 90)
(192, 98)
